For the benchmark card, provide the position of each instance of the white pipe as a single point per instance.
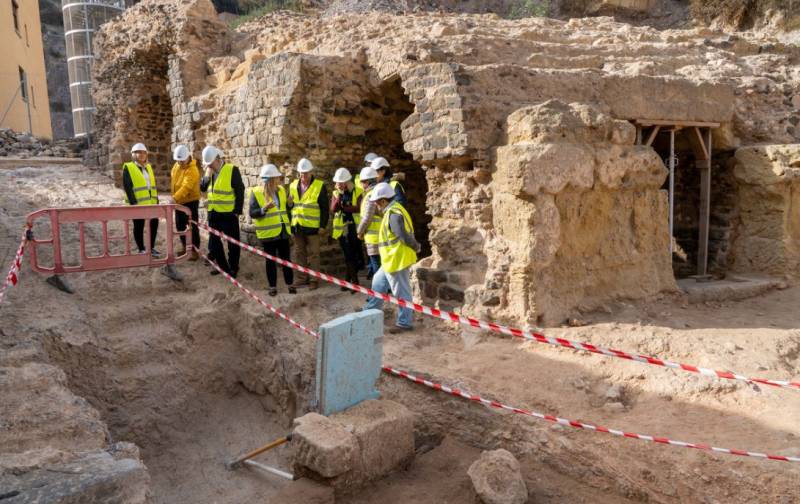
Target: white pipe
(80, 30)
(85, 56)
(671, 187)
(270, 469)
(80, 83)
(93, 4)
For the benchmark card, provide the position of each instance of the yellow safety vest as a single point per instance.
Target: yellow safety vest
(221, 198)
(338, 218)
(275, 218)
(394, 184)
(144, 194)
(371, 234)
(306, 212)
(395, 254)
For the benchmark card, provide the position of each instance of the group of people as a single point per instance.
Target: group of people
(368, 214)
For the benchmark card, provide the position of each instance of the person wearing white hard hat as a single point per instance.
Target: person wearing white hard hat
(185, 184)
(271, 219)
(139, 184)
(346, 216)
(225, 193)
(370, 224)
(381, 166)
(398, 249)
(369, 157)
(308, 200)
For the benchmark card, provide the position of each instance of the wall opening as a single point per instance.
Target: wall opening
(687, 206)
(389, 108)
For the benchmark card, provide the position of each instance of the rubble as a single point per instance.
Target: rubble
(23, 145)
(497, 478)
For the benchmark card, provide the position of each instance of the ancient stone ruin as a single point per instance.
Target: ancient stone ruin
(534, 151)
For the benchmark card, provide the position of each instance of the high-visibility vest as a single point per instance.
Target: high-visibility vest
(371, 234)
(145, 194)
(395, 184)
(221, 198)
(395, 254)
(306, 212)
(275, 218)
(338, 217)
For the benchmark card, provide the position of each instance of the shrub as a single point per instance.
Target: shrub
(252, 9)
(528, 8)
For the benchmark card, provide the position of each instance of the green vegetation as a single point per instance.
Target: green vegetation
(528, 8)
(252, 9)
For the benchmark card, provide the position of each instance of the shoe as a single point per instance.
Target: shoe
(215, 272)
(181, 251)
(292, 290)
(273, 292)
(313, 286)
(193, 256)
(155, 253)
(399, 329)
(352, 291)
(342, 288)
(233, 274)
(141, 252)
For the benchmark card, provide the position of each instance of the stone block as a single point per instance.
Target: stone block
(497, 479)
(323, 446)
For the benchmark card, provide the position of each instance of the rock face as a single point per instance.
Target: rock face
(466, 107)
(768, 180)
(497, 478)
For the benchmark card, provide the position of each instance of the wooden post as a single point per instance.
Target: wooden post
(704, 165)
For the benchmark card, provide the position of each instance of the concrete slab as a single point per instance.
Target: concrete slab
(733, 288)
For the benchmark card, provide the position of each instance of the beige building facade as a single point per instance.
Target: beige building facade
(23, 107)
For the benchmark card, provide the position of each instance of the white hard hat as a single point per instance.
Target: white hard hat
(381, 191)
(138, 147)
(304, 166)
(379, 163)
(210, 153)
(269, 171)
(368, 173)
(369, 157)
(342, 175)
(181, 153)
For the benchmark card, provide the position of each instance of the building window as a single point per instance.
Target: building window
(15, 13)
(27, 42)
(23, 84)
(33, 97)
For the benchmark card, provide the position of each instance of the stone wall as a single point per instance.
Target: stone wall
(768, 236)
(450, 101)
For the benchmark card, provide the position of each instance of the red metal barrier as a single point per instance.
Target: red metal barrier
(103, 215)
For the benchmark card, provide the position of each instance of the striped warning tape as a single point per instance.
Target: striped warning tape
(13, 273)
(496, 404)
(581, 425)
(257, 298)
(510, 331)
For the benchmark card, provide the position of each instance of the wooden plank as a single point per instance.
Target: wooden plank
(704, 165)
(682, 124)
(652, 136)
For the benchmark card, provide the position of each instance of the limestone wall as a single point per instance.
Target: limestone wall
(768, 238)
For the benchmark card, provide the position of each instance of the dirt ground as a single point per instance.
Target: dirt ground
(148, 354)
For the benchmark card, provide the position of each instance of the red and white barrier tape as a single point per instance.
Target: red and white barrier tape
(496, 404)
(13, 273)
(510, 331)
(258, 299)
(581, 425)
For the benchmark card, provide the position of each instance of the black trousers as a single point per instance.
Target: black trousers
(181, 221)
(282, 249)
(353, 254)
(227, 223)
(138, 233)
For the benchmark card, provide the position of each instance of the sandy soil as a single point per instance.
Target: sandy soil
(181, 392)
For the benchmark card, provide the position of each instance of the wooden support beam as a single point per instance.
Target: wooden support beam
(702, 150)
(704, 165)
(681, 124)
(652, 136)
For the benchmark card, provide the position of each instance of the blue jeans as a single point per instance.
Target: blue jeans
(399, 284)
(374, 264)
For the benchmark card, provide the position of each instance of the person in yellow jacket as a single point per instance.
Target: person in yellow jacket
(398, 249)
(345, 206)
(308, 201)
(139, 184)
(270, 216)
(185, 185)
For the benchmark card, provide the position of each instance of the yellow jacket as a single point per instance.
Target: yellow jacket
(186, 183)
